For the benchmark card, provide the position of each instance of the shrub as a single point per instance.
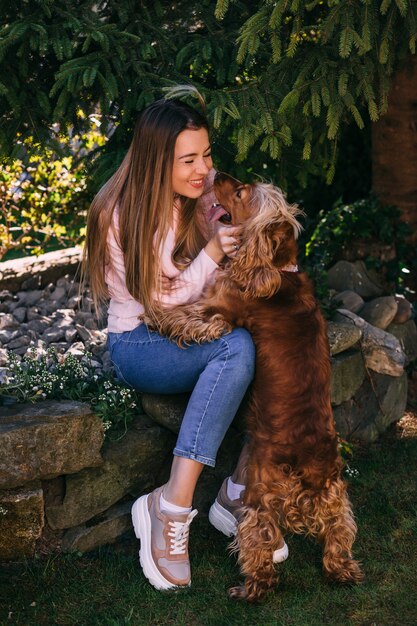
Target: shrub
(44, 197)
(46, 374)
(364, 229)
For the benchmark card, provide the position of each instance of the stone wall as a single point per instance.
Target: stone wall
(63, 486)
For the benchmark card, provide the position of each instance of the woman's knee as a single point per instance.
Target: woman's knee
(242, 350)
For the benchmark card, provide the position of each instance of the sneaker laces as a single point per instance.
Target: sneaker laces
(179, 532)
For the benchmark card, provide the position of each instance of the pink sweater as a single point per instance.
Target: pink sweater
(123, 309)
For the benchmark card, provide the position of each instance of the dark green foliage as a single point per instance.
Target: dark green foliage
(44, 196)
(280, 78)
(363, 229)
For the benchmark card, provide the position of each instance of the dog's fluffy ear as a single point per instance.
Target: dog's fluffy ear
(253, 269)
(269, 244)
(284, 246)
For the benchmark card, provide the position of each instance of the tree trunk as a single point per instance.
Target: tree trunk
(394, 146)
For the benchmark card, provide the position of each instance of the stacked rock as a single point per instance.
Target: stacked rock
(371, 391)
(359, 294)
(359, 290)
(35, 313)
(372, 337)
(59, 482)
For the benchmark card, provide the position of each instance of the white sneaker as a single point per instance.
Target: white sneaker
(224, 515)
(163, 542)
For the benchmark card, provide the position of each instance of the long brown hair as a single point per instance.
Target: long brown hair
(142, 191)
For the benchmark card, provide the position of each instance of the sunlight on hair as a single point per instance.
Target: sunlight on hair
(183, 91)
(273, 205)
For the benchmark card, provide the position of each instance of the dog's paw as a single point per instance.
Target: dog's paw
(237, 593)
(217, 327)
(347, 572)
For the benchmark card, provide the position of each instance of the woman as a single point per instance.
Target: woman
(146, 248)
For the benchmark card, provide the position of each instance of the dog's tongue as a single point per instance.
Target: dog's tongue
(215, 212)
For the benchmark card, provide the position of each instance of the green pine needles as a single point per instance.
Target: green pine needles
(280, 77)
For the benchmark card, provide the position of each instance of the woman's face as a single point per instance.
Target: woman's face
(192, 162)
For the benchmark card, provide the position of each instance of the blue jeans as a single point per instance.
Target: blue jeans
(217, 373)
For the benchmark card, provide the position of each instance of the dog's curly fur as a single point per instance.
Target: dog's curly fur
(294, 471)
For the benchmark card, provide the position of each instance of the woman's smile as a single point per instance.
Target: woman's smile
(197, 183)
(192, 162)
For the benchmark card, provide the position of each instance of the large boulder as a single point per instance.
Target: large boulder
(348, 374)
(130, 467)
(404, 310)
(407, 336)
(35, 272)
(354, 277)
(348, 300)
(21, 520)
(100, 531)
(380, 312)
(342, 336)
(166, 410)
(380, 401)
(47, 439)
(382, 351)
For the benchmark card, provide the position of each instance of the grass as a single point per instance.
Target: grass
(107, 588)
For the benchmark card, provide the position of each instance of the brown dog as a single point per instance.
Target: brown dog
(294, 471)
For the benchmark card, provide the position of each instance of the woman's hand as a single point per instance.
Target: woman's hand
(225, 242)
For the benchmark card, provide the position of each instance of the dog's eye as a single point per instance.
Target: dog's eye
(239, 193)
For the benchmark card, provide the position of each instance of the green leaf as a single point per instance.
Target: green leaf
(385, 5)
(332, 121)
(221, 9)
(217, 116)
(182, 55)
(289, 102)
(232, 110)
(86, 44)
(266, 121)
(44, 102)
(373, 111)
(357, 116)
(274, 147)
(306, 151)
(366, 36)
(89, 76)
(346, 40)
(330, 174)
(384, 51)
(265, 144)
(402, 7)
(253, 43)
(325, 95)
(276, 48)
(206, 50)
(58, 48)
(276, 15)
(243, 142)
(286, 134)
(315, 104)
(343, 83)
(293, 44)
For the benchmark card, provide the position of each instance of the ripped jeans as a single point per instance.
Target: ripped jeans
(217, 373)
